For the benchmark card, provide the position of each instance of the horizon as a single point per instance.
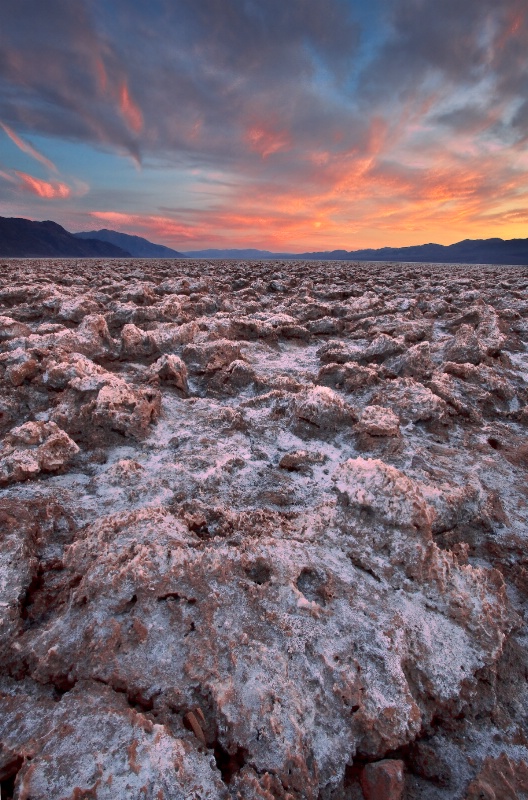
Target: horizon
(281, 252)
(348, 125)
(286, 252)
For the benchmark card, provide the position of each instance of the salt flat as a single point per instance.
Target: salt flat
(264, 530)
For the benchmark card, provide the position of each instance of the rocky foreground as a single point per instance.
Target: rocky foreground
(264, 531)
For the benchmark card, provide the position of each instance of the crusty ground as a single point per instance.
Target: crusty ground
(262, 524)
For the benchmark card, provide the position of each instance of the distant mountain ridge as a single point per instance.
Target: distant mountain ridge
(468, 251)
(135, 245)
(23, 238)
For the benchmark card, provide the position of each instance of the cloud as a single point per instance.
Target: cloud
(20, 183)
(73, 69)
(263, 139)
(28, 148)
(130, 110)
(336, 123)
(7, 177)
(40, 188)
(60, 75)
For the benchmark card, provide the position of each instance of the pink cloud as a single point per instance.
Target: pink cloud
(27, 148)
(265, 141)
(130, 110)
(45, 189)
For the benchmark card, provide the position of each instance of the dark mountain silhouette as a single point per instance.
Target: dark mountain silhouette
(135, 245)
(23, 238)
(469, 251)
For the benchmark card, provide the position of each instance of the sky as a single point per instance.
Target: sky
(287, 125)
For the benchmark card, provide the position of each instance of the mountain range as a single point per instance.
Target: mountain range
(22, 238)
(468, 251)
(135, 245)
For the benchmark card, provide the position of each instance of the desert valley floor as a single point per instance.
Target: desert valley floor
(263, 531)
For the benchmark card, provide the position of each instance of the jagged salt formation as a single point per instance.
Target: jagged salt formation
(263, 531)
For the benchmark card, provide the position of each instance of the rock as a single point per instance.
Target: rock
(465, 347)
(126, 410)
(20, 366)
(172, 370)
(75, 371)
(12, 329)
(337, 352)
(350, 377)
(93, 337)
(382, 347)
(301, 460)
(327, 326)
(483, 377)
(250, 329)
(93, 744)
(488, 330)
(445, 387)
(95, 398)
(385, 492)
(241, 374)
(277, 286)
(415, 330)
(383, 780)
(75, 309)
(323, 408)
(294, 332)
(412, 401)
(136, 343)
(500, 778)
(33, 448)
(427, 762)
(378, 421)
(167, 337)
(211, 356)
(416, 362)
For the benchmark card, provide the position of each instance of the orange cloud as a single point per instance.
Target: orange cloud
(130, 110)
(41, 188)
(265, 141)
(151, 225)
(27, 148)
(404, 183)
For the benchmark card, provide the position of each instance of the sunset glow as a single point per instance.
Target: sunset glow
(130, 111)
(43, 188)
(339, 125)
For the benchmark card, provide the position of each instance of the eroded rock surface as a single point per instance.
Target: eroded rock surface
(263, 531)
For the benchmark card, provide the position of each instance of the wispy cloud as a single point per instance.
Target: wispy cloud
(40, 188)
(28, 148)
(21, 183)
(130, 111)
(335, 124)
